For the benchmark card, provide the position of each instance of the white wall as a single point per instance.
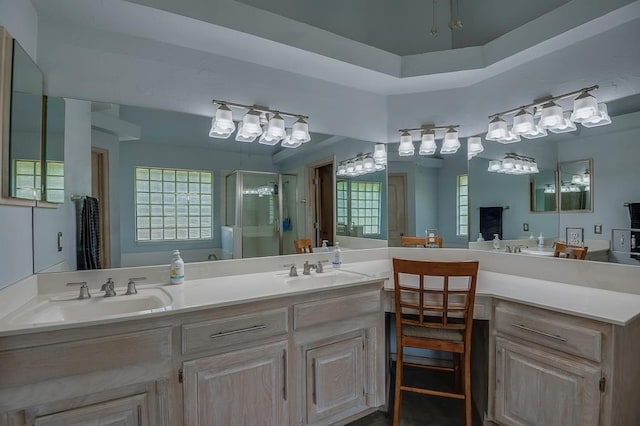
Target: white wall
(16, 254)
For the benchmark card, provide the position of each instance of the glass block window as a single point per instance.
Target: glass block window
(358, 204)
(173, 204)
(27, 179)
(54, 181)
(462, 216)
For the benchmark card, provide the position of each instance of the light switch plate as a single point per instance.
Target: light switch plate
(525, 227)
(597, 229)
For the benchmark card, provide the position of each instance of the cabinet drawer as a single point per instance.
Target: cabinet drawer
(233, 330)
(549, 329)
(335, 309)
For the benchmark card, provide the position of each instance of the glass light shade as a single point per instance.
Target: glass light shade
(535, 133)
(351, 168)
(266, 140)
(368, 164)
(551, 116)
(428, 144)
(288, 141)
(342, 170)
(576, 179)
(526, 166)
(474, 145)
(523, 122)
(359, 166)
(509, 138)
(600, 119)
(550, 189)
(251, 123)
(497, 129)
(534, 168)
(300, 131)
(224, 118)
(380, 153)
(275, 129)
(518, 165)
(494, 165)
(242, 136)
(450, 143)
(406, 147)
(585, 107)
(218, 132)
(566, 126)
(508, 164)
(379, 166)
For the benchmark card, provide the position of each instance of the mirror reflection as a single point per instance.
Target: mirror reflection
(161, 183)
(543, 196)
(53, 159)
(575, 186)
(360, 202)
(25, 138)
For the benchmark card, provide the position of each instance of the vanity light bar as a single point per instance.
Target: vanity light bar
(514, 164)
(450, 145)
(359, 165)
(547, 100)
(259, 108)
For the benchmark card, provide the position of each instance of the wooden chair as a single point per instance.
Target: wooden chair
(435, 313)
(303, 245)
(570, 252)
(421, 241)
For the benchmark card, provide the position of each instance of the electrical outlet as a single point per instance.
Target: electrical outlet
(597, 229)
(59, 241)
(525, 227)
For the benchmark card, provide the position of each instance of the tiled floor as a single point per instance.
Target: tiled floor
(422, 410)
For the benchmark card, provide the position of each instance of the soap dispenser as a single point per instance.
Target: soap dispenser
(541, 240)
(177, 268)
(496, 241)
(480, 237)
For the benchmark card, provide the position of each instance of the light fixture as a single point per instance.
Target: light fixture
(586, 111)
(428, 146)
(268, 124)
(380, 154)
(359, 165)
(406, 147)
(550, 189)
(514, 164)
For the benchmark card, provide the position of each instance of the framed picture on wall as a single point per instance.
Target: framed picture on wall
(575, 237)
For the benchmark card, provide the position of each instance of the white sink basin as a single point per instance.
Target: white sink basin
(68, 308)
(328, 278)
(536, 251)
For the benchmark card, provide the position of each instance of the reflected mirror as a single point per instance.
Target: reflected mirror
(162, 184)
(576, 190)
(25, 140)
(543, 192)
(53, 159)
(361, 203)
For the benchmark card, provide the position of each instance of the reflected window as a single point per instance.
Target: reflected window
(27, 179)
(358, 207)
(54, 182)
(462, 217)
(173, 204)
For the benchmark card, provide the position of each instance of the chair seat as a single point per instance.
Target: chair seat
(447, 334)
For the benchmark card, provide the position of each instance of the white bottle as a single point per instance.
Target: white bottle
(480, 237)
(324, 246)
(531, 237)
(177, 268)
(541, 240)
(337, 255)
(496, 241)
(633, 242)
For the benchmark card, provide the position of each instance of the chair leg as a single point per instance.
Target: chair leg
(467, 389)
(397, 393)
(457, 366)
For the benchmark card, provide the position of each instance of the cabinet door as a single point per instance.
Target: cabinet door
(335, 378)
(130, 411)
(537, 388)
(246, 387)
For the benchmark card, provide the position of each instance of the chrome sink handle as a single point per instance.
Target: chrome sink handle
(319, 267)
(108, 288)
(293, 272)
(84, 290)
(131, 285)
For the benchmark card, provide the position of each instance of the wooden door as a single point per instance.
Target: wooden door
(130, 411)
(325, 211)
(247, 387)
(397, 211)
(335, 379)
(536, 388)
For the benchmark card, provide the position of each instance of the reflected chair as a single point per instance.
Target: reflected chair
(434, 310)
(434, 241)
(303, 245)
(570, 252)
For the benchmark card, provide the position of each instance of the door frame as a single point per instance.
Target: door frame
(312, 204)
(103, 200)
(406, 204)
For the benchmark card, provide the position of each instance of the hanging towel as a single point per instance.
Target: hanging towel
(490, 222)
(88, 243)
(634, 213)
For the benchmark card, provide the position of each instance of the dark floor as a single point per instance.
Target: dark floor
(422, 410)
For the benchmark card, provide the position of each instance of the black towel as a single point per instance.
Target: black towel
(490, 222)
(88, 245)
(634, 213)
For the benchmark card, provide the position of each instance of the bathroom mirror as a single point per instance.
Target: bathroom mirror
(25, 138)
(53, 150)
(111, 141)
(543, 195)
(576, 186)
(361, 204)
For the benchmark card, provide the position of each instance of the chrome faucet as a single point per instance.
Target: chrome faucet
(319, 268)
(307, 267)
(108, 288)
(293, 272)
(84, 290)
(131, 285)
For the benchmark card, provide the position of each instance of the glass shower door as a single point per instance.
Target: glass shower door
(260, 219)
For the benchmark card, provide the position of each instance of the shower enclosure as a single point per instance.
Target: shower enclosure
(260, 214)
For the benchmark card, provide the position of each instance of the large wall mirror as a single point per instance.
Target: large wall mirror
(543, 194)
(162, 184)
(361, 205)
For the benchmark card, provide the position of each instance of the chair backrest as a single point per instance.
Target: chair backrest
(303, 245)
(571, 252)
(434, 241)
(435, 294)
